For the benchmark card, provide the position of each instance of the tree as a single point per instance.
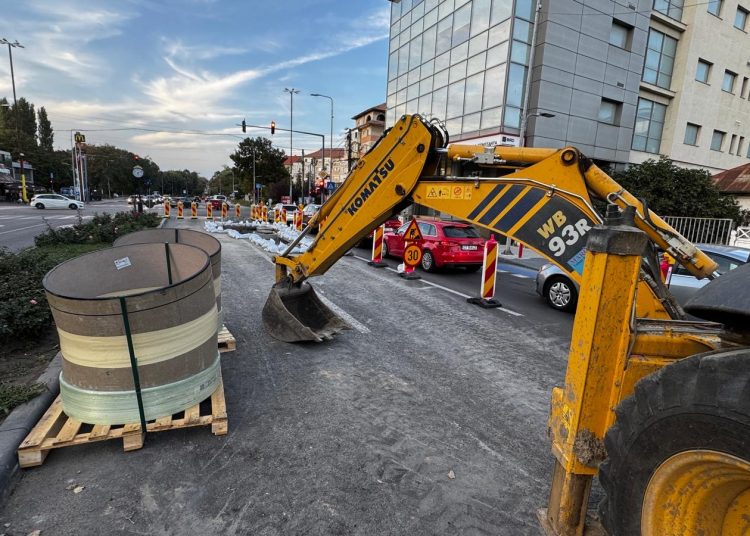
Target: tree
(269, 167)
(46, 135)
(26, 134)
(671, 190)
(178, 181)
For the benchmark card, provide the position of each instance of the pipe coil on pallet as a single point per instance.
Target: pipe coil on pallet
(154, 301)
(201, 240)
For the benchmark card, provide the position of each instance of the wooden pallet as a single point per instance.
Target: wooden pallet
(56, 430)
(227, 342)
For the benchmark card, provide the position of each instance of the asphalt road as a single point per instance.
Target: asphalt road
(429, 417)
(19, 224)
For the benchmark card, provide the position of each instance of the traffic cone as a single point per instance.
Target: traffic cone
(193, 210)
(180, 210)
(237, 211)
(489, 277)
(167, 209)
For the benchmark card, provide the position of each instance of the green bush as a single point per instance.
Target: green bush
(23, 305)
(15, 395)
(102, 229)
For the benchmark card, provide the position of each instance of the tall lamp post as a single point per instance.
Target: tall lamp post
(11, 46)
(330, 140)
(291, 129)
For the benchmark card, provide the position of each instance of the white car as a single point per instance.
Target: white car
(42, 201)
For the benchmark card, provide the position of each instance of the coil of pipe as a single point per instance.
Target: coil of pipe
(201, 240)
(157, 299)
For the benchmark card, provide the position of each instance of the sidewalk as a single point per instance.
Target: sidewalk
(530, 259)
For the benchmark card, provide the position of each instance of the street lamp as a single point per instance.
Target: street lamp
(524, 121)
(330, 140)
(11, 46)
(291, 129)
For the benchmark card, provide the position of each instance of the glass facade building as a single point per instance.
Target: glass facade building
(461, 61)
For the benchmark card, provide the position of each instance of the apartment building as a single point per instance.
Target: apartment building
(694, 95)
(623, 80)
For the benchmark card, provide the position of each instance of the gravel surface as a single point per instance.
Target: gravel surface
(428, 418)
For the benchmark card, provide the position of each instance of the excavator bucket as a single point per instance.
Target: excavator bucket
(297, 314)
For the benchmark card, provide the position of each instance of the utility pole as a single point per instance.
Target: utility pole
(330, 140)
(16, 44)
(254, 187)
(291, 130)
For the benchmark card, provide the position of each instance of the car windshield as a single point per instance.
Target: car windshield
(460, 232)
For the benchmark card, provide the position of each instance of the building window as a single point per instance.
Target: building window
(717, 140)
(703, 70)
(649, 122)
(691, 134)
(660, 53)
(728, 83)
(732, 142)
(740, 18)
(670, 8)
(609, 111)
(740, 145)
(714, 7)
(619, 35)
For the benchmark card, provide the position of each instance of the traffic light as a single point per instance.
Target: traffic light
(273, 127)
(136, 158)
(244, 126)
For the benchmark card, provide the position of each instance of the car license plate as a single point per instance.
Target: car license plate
(469, 248)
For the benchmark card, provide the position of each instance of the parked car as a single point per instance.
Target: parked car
(561, 292)
(216, 201)
(290, 209)
(42, 201)
(444, 243)
(308, 212)
(132, 199)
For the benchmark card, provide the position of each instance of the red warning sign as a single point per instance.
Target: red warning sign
(412, 233)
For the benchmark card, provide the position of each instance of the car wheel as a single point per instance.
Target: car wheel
(384, 252)
(40, 206)
(473, 268)
(73, 206)
(561, 294)
(428, 261)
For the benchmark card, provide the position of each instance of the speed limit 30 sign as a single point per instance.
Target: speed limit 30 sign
(412, 255)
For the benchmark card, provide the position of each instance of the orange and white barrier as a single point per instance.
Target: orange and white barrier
(489, 277)
(377, 248)
(264, 213)
(283, 216)
(237, 211)
(298, 220)
(224, 210)
(180, 210)
(209, 210)
(167, 210)
(193, 210)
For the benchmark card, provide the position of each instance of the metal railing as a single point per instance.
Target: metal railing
(703, 230)
(740, 237)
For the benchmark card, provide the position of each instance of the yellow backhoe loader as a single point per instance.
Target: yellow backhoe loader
(657, 405)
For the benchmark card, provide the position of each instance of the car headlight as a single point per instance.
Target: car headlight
(546, 266)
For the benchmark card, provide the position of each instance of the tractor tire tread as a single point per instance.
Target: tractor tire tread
(709, 385)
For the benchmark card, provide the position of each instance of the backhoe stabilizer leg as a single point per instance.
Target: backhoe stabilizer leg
(582, 412)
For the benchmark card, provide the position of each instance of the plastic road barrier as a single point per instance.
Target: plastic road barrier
(167, 209)
(377, 248)
(209, 211)
(489, 277)
(224, 210)
(237, 211)
(180, 210)
(193, 210)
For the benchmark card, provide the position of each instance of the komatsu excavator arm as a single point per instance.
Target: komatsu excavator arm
(540, 197)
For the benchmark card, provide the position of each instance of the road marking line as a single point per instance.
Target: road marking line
(441, 287)
(23, 228)
(343, 314)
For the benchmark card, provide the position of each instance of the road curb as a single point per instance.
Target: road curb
(20, 422)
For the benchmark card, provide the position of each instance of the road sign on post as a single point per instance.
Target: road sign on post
(412, 252)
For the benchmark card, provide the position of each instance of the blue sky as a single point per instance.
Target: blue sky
(196, 65)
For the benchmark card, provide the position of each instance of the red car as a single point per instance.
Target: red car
(217, 200)
(445, 243)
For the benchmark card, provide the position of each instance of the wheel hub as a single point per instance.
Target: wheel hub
(559, 294)
(698, 493)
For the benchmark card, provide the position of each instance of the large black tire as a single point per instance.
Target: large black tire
(699, 403)
(384, 251)
(73, 206)
(560, 293)
(40, 206)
